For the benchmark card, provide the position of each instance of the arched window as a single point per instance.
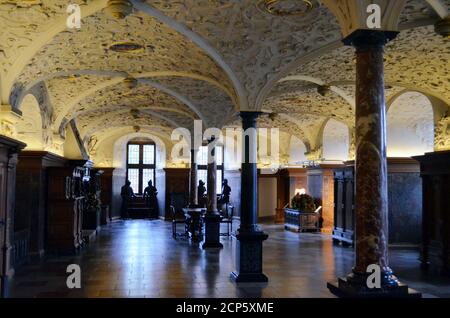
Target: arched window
(410, 125)
(336, 141)
(141, 160)
(202, 166)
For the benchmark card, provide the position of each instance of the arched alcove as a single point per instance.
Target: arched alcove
(336, 141)
(410, 125)
(297, 151)
(29, 127)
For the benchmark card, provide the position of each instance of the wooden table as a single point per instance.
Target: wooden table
(195, 227)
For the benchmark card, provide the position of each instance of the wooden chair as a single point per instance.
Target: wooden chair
(178, 219)
(227, 218)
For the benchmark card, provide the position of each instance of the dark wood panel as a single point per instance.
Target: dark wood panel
(435, 173)
(177, 188)
(9, 149)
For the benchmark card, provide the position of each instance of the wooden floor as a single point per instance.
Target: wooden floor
(139, 258)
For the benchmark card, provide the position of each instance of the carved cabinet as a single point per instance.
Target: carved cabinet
(66, 198)
(435, 172)
(344, 211)
(9, 149)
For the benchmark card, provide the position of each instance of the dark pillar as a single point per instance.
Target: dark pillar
(249, 237)
(371, 200)
(212, 218)
(193, 192)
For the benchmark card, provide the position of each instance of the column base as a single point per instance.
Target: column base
(248, 278)
(349, 288)
(212, 230)
(249, 257)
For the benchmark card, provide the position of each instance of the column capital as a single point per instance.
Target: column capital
(361, 39)
(249, 119)
(250, 114)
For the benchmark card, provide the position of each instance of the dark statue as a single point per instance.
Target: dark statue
(126, 193)
(202, 198)
(150, 194)
(226, 190)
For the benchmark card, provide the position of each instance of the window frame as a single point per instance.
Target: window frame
(220, 167)
(141, 166)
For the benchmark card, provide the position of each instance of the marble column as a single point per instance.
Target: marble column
(212, 217)
(193, 191)
(249, 252)
(371, 198)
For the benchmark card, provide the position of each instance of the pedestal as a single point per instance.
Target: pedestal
(212, 230)
(347, 288)
(249, 254)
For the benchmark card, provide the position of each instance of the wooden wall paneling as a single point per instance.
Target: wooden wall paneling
(9, 149)
(435, 247)
(31, 197)
(177, 188)
(65, 206)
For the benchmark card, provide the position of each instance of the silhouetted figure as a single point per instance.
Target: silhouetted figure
(226, 190)
(126, 193)
(150, 194)
(202, 199)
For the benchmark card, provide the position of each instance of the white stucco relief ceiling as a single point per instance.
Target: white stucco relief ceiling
(214, 104)
(256, 44)
(256, 47)
(119, 97)
(416, 59)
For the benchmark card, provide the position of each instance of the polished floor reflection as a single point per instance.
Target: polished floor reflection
(140, 259)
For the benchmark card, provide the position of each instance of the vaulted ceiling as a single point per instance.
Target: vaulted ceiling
(203, 59)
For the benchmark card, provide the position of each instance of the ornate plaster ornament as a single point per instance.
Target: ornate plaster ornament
(126, 47)
(323, 90)
(8, 121)
(130, 82)
(119, 9)
(283, 8)
(137, 128)
(134, 113)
